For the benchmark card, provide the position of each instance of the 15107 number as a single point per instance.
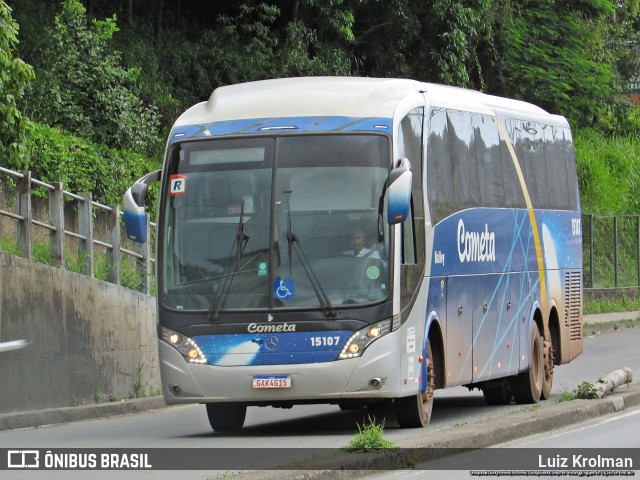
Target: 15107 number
(325, 341)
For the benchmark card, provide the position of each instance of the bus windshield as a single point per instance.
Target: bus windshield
(275, 222)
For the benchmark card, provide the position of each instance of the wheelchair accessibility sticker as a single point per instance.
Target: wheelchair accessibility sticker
(283, 289)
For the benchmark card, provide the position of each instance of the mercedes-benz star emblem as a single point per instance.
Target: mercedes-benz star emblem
(270, 343)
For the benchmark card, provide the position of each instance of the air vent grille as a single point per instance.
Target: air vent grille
(573, 304)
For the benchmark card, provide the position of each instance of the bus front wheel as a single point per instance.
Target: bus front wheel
(226, 417)
(527, 386)
(415, 411)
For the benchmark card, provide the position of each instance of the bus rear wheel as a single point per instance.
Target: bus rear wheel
(415, 411)
(226, 417)
(527, 386)
(547, 384)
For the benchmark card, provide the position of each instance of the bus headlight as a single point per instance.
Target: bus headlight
(360, 340)
(185, 345)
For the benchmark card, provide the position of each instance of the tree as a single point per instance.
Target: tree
(82, 87)
(15, 76)
(547, 56)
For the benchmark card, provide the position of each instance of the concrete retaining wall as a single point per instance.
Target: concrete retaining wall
(90, 340)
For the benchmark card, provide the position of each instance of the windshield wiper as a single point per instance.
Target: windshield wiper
(294, 241)
(228, 274)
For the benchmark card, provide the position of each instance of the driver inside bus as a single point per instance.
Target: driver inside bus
(359, 242)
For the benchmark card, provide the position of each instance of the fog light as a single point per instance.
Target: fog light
(354, 348)
(192, 354)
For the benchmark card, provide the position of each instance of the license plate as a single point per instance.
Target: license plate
(272, 381)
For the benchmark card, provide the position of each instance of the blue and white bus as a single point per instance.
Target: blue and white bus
(358, 241)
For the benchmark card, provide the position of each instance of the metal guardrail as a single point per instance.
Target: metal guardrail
(611, 251)
(24, 216)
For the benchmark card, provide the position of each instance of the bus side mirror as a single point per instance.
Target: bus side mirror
(135, 220)
(399, 193)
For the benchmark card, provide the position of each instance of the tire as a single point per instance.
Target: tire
(415, 411)
(226, 417)
(547, 383)
(498, 394)
(527, 386)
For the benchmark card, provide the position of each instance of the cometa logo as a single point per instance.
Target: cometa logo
(282, 327)
(476, 246)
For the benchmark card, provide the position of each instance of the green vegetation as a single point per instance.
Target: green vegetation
(9, 246)
(130, 276)
(370, 437)
(103, 81)
(566, 397)
(530, 408)
(621, 303)
(608, 170)
(15, 76)
(610, 184)
(584, 391)
(138, 386)
(100, 101)
(98, 395)
(56, 155)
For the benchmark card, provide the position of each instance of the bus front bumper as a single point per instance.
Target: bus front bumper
(373, 375)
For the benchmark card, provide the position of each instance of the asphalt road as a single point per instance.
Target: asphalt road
(315, 426)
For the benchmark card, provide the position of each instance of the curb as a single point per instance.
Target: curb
(486, 433)
(38, 418)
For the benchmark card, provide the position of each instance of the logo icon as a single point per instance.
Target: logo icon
(23, 459)
(270, 343)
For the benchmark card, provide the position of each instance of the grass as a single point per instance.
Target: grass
(130, 276)
(369, 437)
(584, 391)
(621, 303)
(9, 246)
(138, 386)
(98, 395)
(530, 408)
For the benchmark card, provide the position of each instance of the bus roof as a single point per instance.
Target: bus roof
(346, 97)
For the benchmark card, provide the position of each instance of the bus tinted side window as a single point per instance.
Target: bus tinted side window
(439, 167)
(559, 194)
(490, 167)
(468, 165)
(466, 187)
(514, 196)
(547, 162)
